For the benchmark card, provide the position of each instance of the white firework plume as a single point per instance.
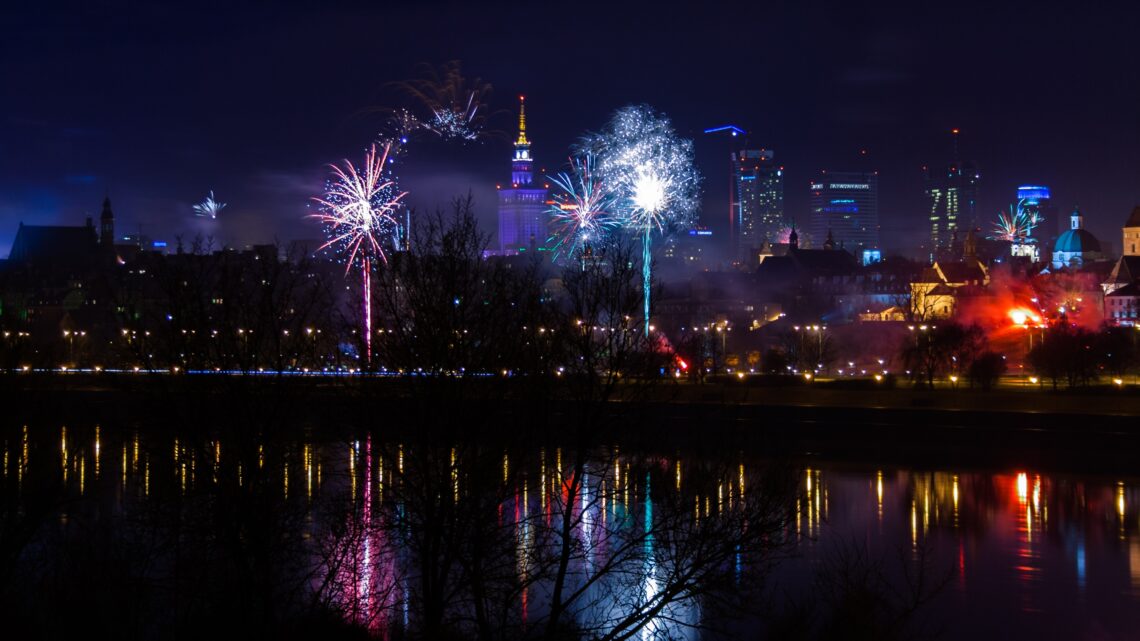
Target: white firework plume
(585, 210)
(652, 173)
(650, 167)
(209, 208)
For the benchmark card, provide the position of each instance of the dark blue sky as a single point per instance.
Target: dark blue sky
(155, 104)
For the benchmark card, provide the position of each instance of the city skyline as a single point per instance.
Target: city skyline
(260, 131)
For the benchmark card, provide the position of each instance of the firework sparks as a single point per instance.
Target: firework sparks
(653, 176)
(359, 205)
(585, 210)
(209, 208)
(454, 107)
(1017, 225)
(358, 212)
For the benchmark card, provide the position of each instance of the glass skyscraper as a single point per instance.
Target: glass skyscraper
(845, 204)
(757, 204)
(952, 202)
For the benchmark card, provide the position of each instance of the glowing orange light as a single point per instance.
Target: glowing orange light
(1021, 316)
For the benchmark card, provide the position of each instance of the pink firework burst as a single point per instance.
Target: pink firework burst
(358, 212)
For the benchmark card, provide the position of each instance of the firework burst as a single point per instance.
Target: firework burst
(358, 213)
(652, 173)
(209, 208)
(453, 107)
(359, 206)
(1016, 225)
(584, 211)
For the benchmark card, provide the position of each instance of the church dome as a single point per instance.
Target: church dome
(1076, 240)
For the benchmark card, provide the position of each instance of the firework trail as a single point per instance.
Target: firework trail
(209, 208)
(358, 213)
(445, 103)
(652, 174)
(584, 211)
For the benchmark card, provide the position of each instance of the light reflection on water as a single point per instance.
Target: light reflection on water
(1031, 552)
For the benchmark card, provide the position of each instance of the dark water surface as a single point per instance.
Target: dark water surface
(144, 532)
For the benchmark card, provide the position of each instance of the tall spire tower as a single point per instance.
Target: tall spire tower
(522, 172)
(107, 224)
(523, 217)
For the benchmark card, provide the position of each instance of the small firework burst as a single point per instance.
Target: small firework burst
(209, 208)
(449, 105)
(1016, 225)
(584, 211)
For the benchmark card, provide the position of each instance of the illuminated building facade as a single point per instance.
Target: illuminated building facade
(951, 201)
(757, 200)
(1131, 234)
(523, 217)
(844, 207)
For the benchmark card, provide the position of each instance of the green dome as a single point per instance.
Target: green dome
(1076, 240)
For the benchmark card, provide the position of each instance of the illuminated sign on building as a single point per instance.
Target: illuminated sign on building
(849, 186)
(1033, 192)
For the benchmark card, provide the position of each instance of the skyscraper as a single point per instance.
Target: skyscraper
(756, 199)
(845, 205)
(951, 199)
(523, 217)
(1034, 201)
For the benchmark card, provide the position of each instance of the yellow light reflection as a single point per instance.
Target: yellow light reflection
(63, 451)
(454, 478)
(352, 469)
(308, 461)
(23, 459)
(913, 524)
(97, 448)
(1120, 500)
(740, 480)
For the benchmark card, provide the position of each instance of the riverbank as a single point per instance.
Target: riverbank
(1081, 429)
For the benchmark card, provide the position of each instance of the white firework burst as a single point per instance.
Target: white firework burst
(209, 208)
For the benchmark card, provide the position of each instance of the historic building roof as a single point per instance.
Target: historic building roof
(1076, 240)
(1134, 218)
(51, 245)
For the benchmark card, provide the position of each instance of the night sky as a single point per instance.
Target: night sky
(157, 104)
